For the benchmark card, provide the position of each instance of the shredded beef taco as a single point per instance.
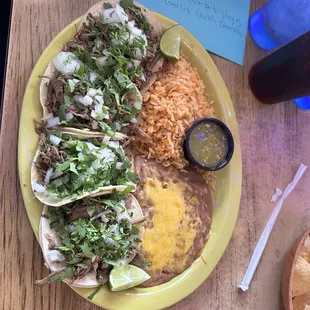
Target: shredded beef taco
(93, 83)
(67, 168)
(82, 241)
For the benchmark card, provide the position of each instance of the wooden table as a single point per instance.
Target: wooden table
(274, 139)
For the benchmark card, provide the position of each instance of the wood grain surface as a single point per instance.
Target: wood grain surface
(275, 139)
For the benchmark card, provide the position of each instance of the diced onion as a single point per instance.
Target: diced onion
(99, 113)
(115, 15)
(91, 146)
(106, 139)
(55, 256)
(91, 92)
(52, 122)
(130, 66)
(131, 25)
(96, 164)
(119, 165)
(56, 174)
(136, 31)
(38, 188)
(99, 91)
(122, 262)
(71, 228)
(55, 140)
(86, 100)
(91, 170)
(110, 241)
(136, 63)
(48, 175)
(117, 126)
(114, 144)
(102, 216)
(114, 229)
(123, 17)
(105, 52)
(47, 116)
(115, 42)
(110, 16)
(137, 53)
(134, 121)
(69, 116)
(98, 108)
(121, 212)
(102, 61)
(95, 47)
(106, 155)
(66, 62)
(99, 99)
(92, 77)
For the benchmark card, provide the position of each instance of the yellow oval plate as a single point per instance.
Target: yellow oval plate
(227, 184)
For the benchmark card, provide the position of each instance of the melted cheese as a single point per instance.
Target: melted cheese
(173, 232)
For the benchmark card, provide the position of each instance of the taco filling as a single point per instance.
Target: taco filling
(83, 240)
(91, 84)
(67, 167)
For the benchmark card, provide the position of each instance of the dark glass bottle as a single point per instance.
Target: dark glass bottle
(284, 74)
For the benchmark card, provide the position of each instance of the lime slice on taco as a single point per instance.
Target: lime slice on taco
(125, 277)
(170, 43)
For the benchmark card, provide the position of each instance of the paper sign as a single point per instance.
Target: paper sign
(219, 25)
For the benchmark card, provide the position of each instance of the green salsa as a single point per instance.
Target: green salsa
(208, 144)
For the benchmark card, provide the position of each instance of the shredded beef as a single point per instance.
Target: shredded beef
(48, 154)
(51, 155)
(82, 272)
(82, 116)
(103, 272)
(140, 220)
(95, 125)
(55, 93)
(139, 132)
(84, 38)
(51, 242)
(78, 212)
(85, 120)
(95, 264)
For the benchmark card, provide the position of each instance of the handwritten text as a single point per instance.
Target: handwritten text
(214, 14)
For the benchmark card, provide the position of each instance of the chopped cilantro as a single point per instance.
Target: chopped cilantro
(135, 230)
(89, 164)
(113, 55)
(68, 272)
(62, 113)
(107, 6)
(86, 240)
(129, 6)
(96, 290)
(146, 262)
(71, 85)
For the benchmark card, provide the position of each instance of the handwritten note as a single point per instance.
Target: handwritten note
(219, 25)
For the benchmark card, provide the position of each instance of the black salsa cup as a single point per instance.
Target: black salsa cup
(227, 133)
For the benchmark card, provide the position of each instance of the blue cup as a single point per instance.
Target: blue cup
(279, 22)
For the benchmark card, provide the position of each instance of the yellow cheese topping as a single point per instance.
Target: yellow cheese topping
(173, 232)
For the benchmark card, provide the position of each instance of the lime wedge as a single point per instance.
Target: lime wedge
(122, 278)
(170, 42)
